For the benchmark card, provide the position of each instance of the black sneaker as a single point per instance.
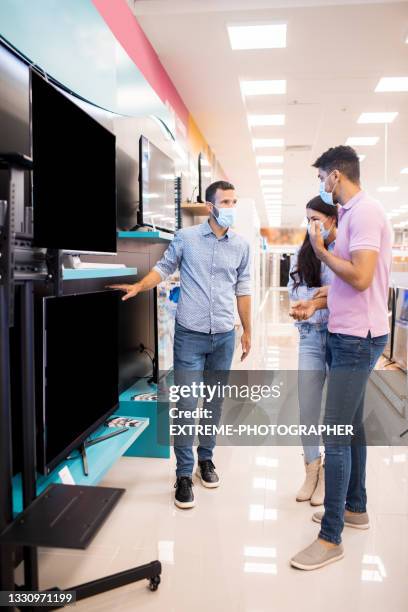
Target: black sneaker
(184, 497)
(207, 474)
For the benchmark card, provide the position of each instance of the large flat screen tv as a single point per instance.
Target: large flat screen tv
(157, 207)
(74, 174)
(78, 372)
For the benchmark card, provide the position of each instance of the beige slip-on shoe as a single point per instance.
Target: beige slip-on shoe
(317, 555)
(351, 519)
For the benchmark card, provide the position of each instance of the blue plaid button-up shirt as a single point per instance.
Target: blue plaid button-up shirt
(212, 272)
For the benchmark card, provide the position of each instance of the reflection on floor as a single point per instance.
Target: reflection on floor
(231, 552)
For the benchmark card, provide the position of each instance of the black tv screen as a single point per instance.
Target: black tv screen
(74, 174)
(156, 187)
(79, 371)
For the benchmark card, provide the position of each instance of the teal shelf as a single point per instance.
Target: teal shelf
(157, 236)
(156, 441)
(84, 273)
(101, 458)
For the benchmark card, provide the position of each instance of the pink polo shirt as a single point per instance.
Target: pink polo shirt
(363, 225)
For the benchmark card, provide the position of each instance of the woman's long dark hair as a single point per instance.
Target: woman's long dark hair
(307, 271)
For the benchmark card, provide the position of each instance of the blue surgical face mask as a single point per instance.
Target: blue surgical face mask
(325, 233)
(327, 196)
(225, 217)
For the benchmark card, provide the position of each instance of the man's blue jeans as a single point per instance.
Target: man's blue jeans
(199, 357)
(350, 359)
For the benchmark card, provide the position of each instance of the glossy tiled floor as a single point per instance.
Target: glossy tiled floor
(231, 552)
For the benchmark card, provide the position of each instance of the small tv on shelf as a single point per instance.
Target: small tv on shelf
(74, 174)
(157, 190)
(204, 176)
(77, 372)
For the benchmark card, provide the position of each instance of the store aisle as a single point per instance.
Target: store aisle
(232, 551)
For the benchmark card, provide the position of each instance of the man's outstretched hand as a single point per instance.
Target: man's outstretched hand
(129, 290)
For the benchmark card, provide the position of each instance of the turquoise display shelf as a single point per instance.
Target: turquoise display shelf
(101, 457)
(84, 273)
(156, 236)
(156, 441)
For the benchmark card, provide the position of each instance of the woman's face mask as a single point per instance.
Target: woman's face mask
(325, 233)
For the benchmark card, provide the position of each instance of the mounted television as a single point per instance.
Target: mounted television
(204, 176)
(165, 307)
(157, 206)
(77, 376)
(74, 174)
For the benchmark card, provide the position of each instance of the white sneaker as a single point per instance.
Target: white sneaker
(318, 494)
(308, 487)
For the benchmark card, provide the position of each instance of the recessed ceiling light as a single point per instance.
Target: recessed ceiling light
(262, 143)
(272, 190)
(257, 36)
(362, 157)
(271, 182)
(388, 188)
(263, 88)
(392, 84)
(260, 120)
(404, 171)
(269, 159)
(363, 141)
(377, 117)
(270, 171)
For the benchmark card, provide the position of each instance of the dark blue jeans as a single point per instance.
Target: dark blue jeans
(199, 357)
(350, 359)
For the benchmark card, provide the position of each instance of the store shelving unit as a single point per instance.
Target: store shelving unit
(87, 273)
(100, 457)
(155, 236)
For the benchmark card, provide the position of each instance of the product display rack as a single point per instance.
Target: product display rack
(84, 508)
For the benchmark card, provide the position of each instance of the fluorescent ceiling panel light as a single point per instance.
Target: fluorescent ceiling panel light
(404, 171)
(362, 157)
(392, 84)
(272, 190)
(269, 159)
(388, 188)
(362, 141)
(261, 120)
(377, 117)
(272, 181)
(257, 36)
(263, 143)
(263, 88)
(270, 171)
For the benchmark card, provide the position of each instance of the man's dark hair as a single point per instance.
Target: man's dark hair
(342, 158)
(211, 190)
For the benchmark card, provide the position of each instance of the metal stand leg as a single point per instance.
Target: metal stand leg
(6, 508)
(29, 428)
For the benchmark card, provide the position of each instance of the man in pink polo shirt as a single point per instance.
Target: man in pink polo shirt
(358, 328)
